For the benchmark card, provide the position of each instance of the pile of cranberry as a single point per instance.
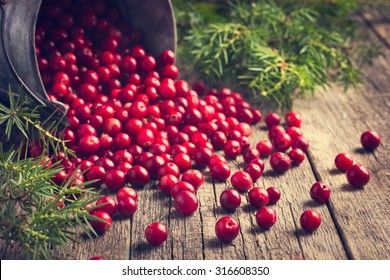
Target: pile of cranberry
(132, 121)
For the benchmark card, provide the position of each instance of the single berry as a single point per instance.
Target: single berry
(320, 192)
(127, 192)
(107, 204)
(343, 162)
(274, 195)
(280, 162)
(297, 156)
(358, 175)
(293, 119)
(258, 197)
(186, 203)
(241, 181)
(127, 206)
(220, 171)
(227, 229)
(265, 148)
(272, 119)
(370, 140)
(266, 217)
(194, 177)
(101, 226)
(310, 220)
(156, 233)
(230, 199)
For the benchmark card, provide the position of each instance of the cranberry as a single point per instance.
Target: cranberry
(250, 154)
(106, 204)
(294, 131)
(280, 162)
(227, 229)
(241, 181)
(127, 206)
(186, 203)
(358, 175)
(370, 140)
(230, 199)
(194, 177)
(258, 197)
(293, 119)
(202, 156)
(220, 171)
(183, 161)
(168, 168)
(274, 195)
(89, 144)
(310, 220)
(297, 156)
(232, 149)
(112, 126)
(127, 192)
(181, 186)
(96, 173)
(266, 217)
(166, 183)
(282, 141)
(138, 176)
(101, 226)
(254, 170)
(320, 192)
(274, 130)
(114, 179)
(145, 137)
(167, 57)
(300, 143)
(107, 163)
(272, 119)
(259, 162)
(343, 162)
(156, 233)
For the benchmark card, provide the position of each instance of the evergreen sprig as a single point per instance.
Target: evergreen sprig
(275, 50)
(37, 217)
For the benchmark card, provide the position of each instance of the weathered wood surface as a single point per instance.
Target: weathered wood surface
(355, 224)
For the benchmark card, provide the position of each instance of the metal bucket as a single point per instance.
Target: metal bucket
(18, 61)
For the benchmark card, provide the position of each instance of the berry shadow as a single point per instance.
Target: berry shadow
(213, 243)
(311, 204)
(349, 188)
(335, 171)
(270, 174)
(248, 208)
(361, 151)
(222, 212)
(301, 232)
(257, 230)
(144, 246)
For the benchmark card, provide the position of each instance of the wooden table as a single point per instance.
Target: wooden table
(356, 222)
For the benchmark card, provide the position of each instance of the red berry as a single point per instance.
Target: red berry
(254, 170)
(300, 143)
(370, 140)
(297, 156)
(126, 192)
(89, 144)
(281, 141)
(96, 173)
(310, 220)
(180, 187)
(230, 199)
(186, 203)
(266, 217)
(227, 229)
(114, 179)
(258, 197)
(358, 175)
(127, 206)
(280, 162)
(272, 119)
(156, 233)
(138, 176)
(168, 168)
(166, 183)
(107, 204)
(293, 119)
(194, 177)
(343, 162)
(320, 192)
(274, 195)
(264, 148)
(220, 171)
(232, 149)
(241, 181)
(101, 226)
